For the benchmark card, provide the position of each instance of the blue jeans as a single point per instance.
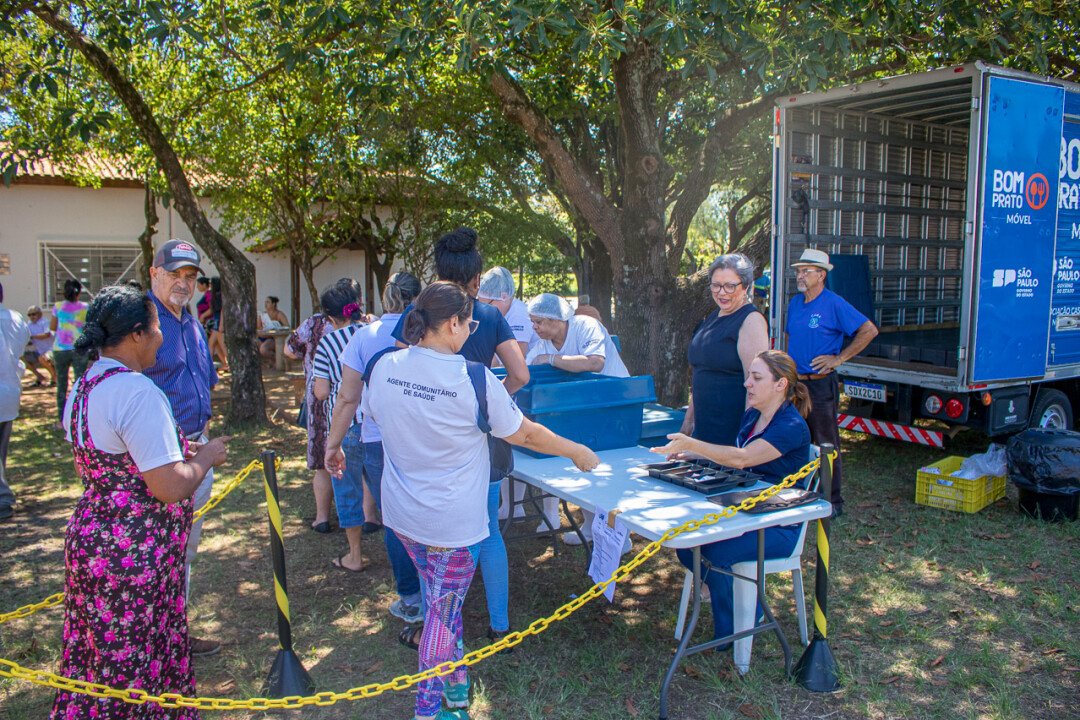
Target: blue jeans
(349, 488)
(405, 577)
(779, 543)
(494, 566)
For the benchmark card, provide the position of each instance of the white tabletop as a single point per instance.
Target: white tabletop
(649, 507)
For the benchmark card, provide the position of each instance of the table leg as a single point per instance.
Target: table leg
(279, 353)
(574, 527)
(688, 632)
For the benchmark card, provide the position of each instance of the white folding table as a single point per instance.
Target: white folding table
(651, 507)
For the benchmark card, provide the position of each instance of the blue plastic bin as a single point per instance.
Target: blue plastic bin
(599, 411)
(658, 422)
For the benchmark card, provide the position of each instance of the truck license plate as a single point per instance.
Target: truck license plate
(865, 391)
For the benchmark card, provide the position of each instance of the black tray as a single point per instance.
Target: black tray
(702, 476)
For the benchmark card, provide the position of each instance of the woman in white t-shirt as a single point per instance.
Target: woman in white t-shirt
(125, 620)
(437, 468)
(360, 446)
(574, 343)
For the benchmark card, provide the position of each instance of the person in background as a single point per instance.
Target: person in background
(66, 322)
(773, 440)
(125, 613)
(356, 508)
(437, 471)
(721, 350)
(817, 322)
(38, 352)
(584, 308)
(14, 332)
(457, 260)
(497, 289)
(211, 319)
(349, 446)
(184, 371)
(202, 285)
(301, 345)
(573, 343)
(271, 318)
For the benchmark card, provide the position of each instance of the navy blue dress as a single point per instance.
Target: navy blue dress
(717, 388)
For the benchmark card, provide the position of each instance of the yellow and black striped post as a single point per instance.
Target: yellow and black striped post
(287, 674)
(816, 669)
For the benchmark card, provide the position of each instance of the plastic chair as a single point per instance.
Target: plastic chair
(745, 591)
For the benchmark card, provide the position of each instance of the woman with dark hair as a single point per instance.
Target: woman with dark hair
(301, 345)
(125, 620)
(360, 446)
(67, 321)
(202, 284)
(773, 441)
(721, 350)
(437, 469)
(341, 303)
(271, 318)
(458, 260)
(211, 317)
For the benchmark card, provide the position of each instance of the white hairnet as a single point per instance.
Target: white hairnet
(546, 305)
(496, 284)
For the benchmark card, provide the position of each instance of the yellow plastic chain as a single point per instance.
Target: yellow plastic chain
(139, 697)
(58, 598)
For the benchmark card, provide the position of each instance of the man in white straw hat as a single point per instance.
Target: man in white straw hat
(818, 320)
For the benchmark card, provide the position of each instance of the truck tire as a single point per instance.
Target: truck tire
(1052, 410)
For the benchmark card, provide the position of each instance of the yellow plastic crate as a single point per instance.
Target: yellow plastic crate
(942, 491)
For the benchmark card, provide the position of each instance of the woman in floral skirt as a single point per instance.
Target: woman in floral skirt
(125, 617)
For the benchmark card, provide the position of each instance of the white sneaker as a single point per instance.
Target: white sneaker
(572, 538)
(555, 522)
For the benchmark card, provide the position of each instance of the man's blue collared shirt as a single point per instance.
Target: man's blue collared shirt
(184, 369)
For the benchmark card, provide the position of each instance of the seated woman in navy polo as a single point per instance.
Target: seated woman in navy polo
(774, 441)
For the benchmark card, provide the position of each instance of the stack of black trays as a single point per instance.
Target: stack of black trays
(703, 476)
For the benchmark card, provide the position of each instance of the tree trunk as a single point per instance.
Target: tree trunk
(303, 260)
(146, 240)
(248, 400)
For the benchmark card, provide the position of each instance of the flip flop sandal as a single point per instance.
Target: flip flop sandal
(408, 637)
(340, 565)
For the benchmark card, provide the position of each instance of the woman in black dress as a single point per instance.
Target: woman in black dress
(721, 350)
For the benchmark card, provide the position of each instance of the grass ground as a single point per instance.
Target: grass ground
(933, 614)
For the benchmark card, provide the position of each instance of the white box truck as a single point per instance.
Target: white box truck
(949, 202)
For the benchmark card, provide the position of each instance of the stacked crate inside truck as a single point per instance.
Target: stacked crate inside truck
(890, 178)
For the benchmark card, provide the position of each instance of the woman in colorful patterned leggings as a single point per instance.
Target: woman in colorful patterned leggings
(436, 471)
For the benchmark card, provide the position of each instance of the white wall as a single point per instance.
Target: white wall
(33, 215)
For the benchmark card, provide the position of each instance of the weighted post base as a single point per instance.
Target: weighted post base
(288, 677)
(816, 669)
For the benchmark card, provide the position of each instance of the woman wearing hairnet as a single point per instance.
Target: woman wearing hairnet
(574, 343)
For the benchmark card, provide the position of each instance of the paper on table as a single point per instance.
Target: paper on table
(608, 543)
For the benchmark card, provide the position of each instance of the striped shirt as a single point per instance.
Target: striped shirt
(184, 369)
(327, 364)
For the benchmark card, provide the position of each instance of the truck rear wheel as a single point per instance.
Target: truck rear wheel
(1052, 409)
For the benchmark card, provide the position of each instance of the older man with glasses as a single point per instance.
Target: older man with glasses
(184, 370)
(818, 320)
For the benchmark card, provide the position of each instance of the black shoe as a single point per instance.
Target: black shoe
(837, 511)
(6, 511)
(322, 528)
(370, 528)
(496, 635)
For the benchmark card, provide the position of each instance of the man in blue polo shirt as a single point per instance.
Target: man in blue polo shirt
(818, 320)
(184, 370)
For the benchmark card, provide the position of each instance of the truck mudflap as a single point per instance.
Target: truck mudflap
(895, 431)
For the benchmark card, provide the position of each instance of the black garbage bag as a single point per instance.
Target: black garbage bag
(1046, 462)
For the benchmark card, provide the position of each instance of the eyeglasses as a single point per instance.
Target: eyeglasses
(725, 287)
(802, 272)
(473, 324)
